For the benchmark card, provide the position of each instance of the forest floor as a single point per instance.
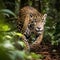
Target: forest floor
(49, 52)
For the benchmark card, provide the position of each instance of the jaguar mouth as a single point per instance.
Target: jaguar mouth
(38, 31)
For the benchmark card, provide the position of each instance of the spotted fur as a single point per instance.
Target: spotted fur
(31, 21)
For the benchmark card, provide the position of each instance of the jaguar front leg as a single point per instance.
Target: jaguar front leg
(27, 47)
(37, 43)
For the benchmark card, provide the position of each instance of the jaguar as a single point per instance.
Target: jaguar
(31, 25)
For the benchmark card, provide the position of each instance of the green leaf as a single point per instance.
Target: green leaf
(7, 12)
(14, 55)
(34, 55)
(4, 27)
(21, 43)
(19, 34)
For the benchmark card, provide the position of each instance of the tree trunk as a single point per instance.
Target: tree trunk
(37, 4)
(23, 3)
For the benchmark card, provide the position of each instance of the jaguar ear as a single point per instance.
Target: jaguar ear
(44, 18)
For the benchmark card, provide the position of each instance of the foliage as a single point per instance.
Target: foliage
(7, 12)
(11, 48)
(52, 19)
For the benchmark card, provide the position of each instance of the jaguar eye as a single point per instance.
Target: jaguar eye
(31, 15)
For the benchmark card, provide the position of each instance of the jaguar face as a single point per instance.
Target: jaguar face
(36, 23)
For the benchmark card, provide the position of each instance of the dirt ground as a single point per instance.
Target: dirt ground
(48, 51)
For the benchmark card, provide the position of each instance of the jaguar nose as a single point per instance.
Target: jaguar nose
(38, 29)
